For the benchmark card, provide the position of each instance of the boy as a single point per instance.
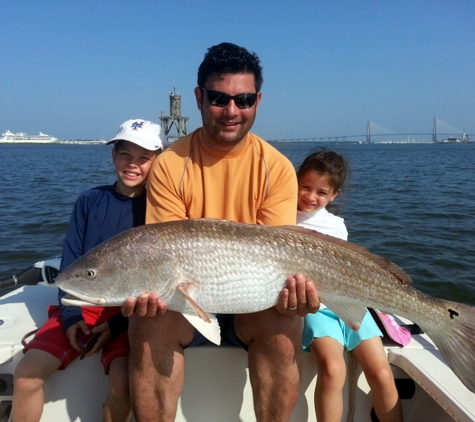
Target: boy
(98, 214)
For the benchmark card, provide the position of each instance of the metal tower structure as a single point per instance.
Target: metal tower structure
(174, 119)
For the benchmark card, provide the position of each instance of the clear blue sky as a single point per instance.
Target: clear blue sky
(77, 69)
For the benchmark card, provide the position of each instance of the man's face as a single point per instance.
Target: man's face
(227, 126)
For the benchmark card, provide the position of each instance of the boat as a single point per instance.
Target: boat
(23, 138)
(455, 139)
(217, 386)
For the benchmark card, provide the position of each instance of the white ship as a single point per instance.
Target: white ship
(23, 138)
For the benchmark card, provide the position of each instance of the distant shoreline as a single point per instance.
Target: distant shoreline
(296, 141)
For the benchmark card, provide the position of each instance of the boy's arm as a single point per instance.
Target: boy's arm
(72, 250)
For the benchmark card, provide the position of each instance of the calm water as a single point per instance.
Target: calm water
(412, 203)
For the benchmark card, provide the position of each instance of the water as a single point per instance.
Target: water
(411, 203)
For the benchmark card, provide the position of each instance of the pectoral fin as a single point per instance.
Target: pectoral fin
(205, 323)
(202, 314)
(350, 313)
(209, 329)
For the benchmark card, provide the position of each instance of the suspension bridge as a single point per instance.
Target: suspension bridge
(374, 130)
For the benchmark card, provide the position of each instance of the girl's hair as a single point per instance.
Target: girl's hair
(326, 163)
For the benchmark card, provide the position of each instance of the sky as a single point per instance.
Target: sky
(78, 69)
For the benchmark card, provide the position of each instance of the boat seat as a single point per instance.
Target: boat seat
(429, 370)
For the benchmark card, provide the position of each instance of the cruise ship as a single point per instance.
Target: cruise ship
(23, 138)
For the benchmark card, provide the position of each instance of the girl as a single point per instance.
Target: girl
(320, 179)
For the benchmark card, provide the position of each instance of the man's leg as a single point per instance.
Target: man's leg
(275, 349)
(157, 364)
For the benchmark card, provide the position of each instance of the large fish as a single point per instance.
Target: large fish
(203, 266)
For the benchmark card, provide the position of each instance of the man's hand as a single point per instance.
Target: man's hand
(299, 297)
(144, 305)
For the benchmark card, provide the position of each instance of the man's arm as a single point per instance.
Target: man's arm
(163, 204)
(280, 204)
(299, 297)
(163, 200)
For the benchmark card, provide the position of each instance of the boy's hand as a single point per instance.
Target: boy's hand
(102, 334)
(71, 334)
(144, 305)
(299, 297)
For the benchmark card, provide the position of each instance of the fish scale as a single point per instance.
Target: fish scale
(214, 266)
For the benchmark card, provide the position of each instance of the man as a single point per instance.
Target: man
(222, 171)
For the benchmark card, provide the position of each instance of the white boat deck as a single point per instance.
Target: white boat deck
(217, 385)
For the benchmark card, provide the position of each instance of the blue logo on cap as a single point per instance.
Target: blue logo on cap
(137, 125)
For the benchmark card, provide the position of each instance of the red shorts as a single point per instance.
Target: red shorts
(51, 337)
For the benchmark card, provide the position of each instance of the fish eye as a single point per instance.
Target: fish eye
(90, 273)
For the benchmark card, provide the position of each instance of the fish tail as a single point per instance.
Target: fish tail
(457, 344)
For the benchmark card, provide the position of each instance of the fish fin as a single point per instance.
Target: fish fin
(350, 313)
(182, 287)
(456, 341)
(210, 330)
(384, 263)
(205, 323)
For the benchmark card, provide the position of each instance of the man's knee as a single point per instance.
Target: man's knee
(268, 324)
(170, 330)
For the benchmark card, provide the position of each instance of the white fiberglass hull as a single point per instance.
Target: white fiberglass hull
(217, 386)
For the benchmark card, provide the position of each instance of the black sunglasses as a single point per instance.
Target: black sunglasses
(220, 99)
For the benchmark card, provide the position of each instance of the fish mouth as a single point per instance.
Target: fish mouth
(82, 300)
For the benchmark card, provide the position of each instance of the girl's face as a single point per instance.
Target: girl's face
(315, 192)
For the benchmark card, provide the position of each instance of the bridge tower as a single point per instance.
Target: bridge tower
(434, 130)
(368, 131)
(174, 119)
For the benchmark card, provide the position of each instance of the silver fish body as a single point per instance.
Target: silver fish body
(226, 267)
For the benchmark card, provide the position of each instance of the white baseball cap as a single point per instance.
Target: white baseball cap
(145, 134)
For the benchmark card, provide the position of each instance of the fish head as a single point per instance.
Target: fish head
(116, 270)
(91, 280)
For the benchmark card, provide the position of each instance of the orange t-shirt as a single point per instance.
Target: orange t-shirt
(255, 184)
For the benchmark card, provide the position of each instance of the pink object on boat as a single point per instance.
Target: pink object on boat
(388, 324)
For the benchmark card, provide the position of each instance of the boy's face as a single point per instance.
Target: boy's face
(132, 164)
(315, 192)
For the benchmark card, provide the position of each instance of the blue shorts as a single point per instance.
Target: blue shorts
(226, 322)
(325, 323)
